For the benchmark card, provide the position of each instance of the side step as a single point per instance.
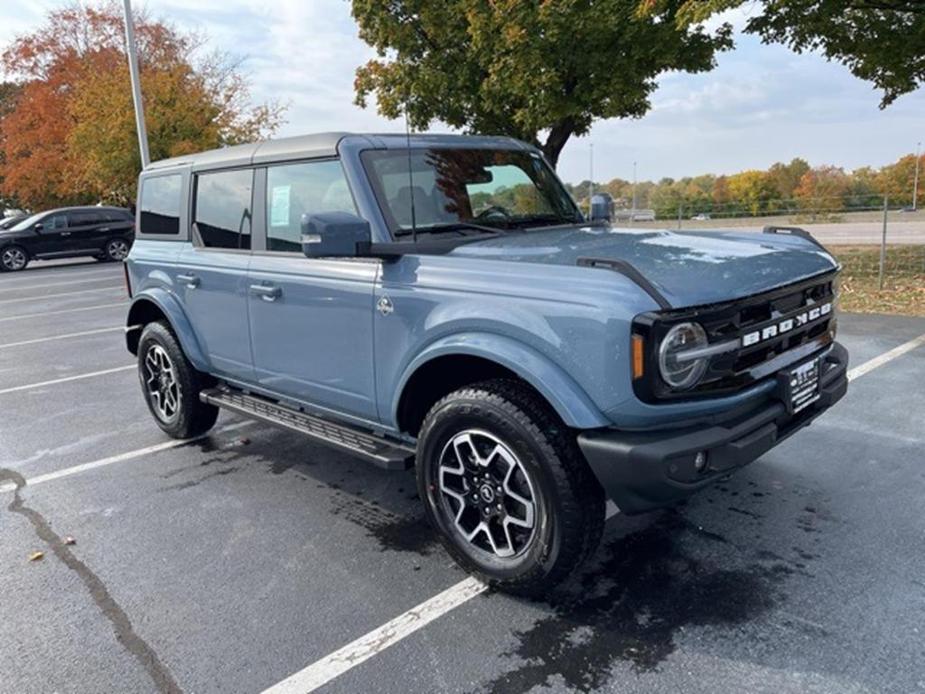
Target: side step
(391, 455)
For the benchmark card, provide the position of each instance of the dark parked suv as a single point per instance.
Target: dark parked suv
(105, 233)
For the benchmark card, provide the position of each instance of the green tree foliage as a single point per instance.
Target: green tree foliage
(881, 41)
(519, 68)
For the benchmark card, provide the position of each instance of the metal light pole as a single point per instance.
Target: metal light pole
(136, 85)
(915, 186)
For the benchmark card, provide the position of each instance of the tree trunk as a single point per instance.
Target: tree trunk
(558, 136)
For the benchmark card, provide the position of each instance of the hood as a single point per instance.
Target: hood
(688, 268)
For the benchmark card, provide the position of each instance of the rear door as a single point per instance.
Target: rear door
(87, 230)
(310, 318)
(212, 270)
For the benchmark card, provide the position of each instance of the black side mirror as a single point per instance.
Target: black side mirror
(38, 226)
(335, 235)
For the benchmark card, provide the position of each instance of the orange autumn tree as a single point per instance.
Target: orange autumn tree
(69, 137)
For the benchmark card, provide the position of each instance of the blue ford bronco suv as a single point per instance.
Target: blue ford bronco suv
(440, 302)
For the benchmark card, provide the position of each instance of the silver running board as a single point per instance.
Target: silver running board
(385, 453)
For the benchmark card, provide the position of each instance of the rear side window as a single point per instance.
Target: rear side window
(223, 208)
(160, 205)
(297, 189)
(77, 219)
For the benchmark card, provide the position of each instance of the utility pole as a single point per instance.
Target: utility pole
(634, 187)
(132, 52)
(915, 186)
(590, 177)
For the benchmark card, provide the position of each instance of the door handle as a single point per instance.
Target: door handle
(267, 292)
(104, 229)
(190, 281)
(65, 233)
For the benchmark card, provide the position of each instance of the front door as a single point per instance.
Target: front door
(54, 236)
(212, 271)
(311, 319)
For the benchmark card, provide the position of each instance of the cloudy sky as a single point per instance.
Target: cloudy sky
(762, 104)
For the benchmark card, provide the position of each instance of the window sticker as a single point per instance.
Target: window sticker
(279, 206)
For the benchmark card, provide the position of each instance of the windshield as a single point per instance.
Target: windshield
(466, 190)
(27, 222)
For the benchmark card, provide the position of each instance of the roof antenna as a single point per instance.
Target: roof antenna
(414, 226)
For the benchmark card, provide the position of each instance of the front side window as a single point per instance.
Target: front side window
(160, 204)
(56, 221)
(294, 190)
(223, 208)
(443, 189)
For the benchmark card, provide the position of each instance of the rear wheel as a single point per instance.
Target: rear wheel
(507, 488)
(115, 250)
(171, 385)
(13, 259)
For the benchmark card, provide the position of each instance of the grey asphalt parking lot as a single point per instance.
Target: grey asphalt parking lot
(233, 562)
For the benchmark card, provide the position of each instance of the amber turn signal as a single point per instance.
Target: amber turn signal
(638, 370)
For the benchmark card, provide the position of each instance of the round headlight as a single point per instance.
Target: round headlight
(680, 370)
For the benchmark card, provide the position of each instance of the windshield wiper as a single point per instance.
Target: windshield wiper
(544, 219)
(450, 227)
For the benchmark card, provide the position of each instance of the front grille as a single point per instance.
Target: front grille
(805, 309)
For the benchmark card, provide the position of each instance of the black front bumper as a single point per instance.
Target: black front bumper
(641, 471)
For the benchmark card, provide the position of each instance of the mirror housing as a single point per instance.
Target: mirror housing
(335, 235)
(37, 227)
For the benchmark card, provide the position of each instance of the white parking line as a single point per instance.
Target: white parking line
(43, 297)
(32, 386)
(376, 641)
(65, 310)
(120, 458)
(332, 666)
(62, 337)
(96, 278)
(872, 364)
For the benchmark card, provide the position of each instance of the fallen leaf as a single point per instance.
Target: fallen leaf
(36, 556)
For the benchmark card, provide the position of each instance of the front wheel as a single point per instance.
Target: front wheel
(13, 259)
(171, 385)
(505, 485)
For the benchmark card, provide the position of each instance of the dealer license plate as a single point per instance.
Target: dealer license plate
(800, 386)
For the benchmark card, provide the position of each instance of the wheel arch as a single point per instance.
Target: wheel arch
(460, 360)
(155, 305)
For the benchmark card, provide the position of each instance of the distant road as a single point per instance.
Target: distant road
(839, 233)
(862, 233)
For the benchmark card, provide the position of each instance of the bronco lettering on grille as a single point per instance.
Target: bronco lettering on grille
(799, 320)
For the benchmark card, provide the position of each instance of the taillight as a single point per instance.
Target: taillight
(128, 280)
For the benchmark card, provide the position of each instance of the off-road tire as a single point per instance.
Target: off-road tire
(190, 417)
(5, 259)
(569, 518)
